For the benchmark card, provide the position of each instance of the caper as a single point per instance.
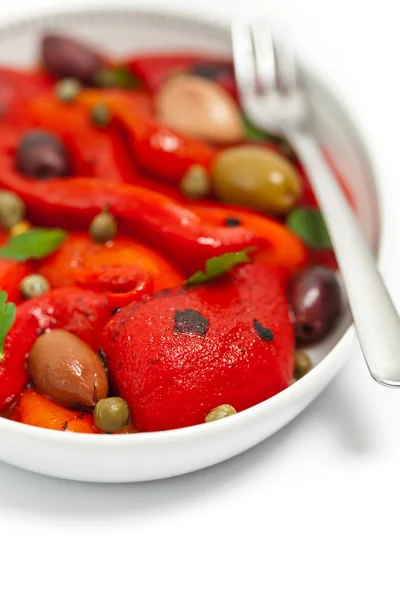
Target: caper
(111, 414)
(302, 364)
(100, 115)
(256, 178)
(103, 227)
(12, 209)
(220, 412)
(68, 89)
(196, 182)
(33, 285)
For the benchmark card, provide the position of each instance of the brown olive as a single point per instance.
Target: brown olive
(42, 155)
(103, 227)
(67, 370)
(199, 108)
(302, 364)
(65, 57)
(256, 178)
(111, 414)
(12, 209)
(315, 301)
(220, 412)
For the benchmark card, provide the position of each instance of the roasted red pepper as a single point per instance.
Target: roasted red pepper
(154, 69)
(80, 254)
(11, 274)
(96, 152)
(172, 229)
(229, 341)
(121, 284)
(17, 88)
(81, 312)
(35, 409)
(156, 148)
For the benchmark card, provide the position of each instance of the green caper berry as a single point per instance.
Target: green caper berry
(103, 228)
(33, 285)
(302, 364)
(12, 209)
(68, 89)
(196, 182)
(220, 412)
(111, 414)
(100, 115)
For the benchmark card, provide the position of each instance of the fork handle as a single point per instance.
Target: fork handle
(374, 314)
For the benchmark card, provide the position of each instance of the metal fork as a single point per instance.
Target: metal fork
(274, 100)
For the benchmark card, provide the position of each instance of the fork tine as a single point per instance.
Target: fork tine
(265, 56)
(286, 65)
(243, 58)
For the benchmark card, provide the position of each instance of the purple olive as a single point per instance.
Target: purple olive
(65, 57)
(42, 155)
(315, 300)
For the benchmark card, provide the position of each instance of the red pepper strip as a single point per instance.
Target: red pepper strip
(81, 312)
(35, 409)
(17, 88)
(156, 147)
(176, 356)
(122, 284)
(79, 253)
(173, 230)
(11, 274)
(96, 152)
(154, 69)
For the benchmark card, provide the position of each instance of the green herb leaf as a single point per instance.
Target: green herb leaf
(117, 77)
(218, 265)
(7, 317)
(252, 134)
(34, 243)
(309, 225)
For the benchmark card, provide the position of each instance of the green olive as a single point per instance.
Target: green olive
(256, 178)
(103, 227)
(111, 414)
(302, 364)
(100, 115)
(33, 285)
(195, 182)
(12, 209)
(68, 89)
(220, 412)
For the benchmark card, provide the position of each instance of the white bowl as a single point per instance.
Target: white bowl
(148, 456)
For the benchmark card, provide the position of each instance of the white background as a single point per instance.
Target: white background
(314, 512)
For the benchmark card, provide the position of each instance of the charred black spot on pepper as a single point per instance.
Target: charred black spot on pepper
(64, 425)
(263, 332)
(190, 321)
(80, 415)
(232, 222)
(161, 293)
(40, 331)
(115, 311)
(232, 366)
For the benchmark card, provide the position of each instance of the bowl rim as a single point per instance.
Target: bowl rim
(182, 18)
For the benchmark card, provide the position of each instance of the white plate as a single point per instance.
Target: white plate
(157, 455)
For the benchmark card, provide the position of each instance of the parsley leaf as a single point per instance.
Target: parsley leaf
(116, 77)
(34, 243)
(7, 317)
(218, 265)
(309, 225)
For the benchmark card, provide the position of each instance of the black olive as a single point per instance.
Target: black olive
(209, 70)
(315, 301)
(65, 57)
(42, 155)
